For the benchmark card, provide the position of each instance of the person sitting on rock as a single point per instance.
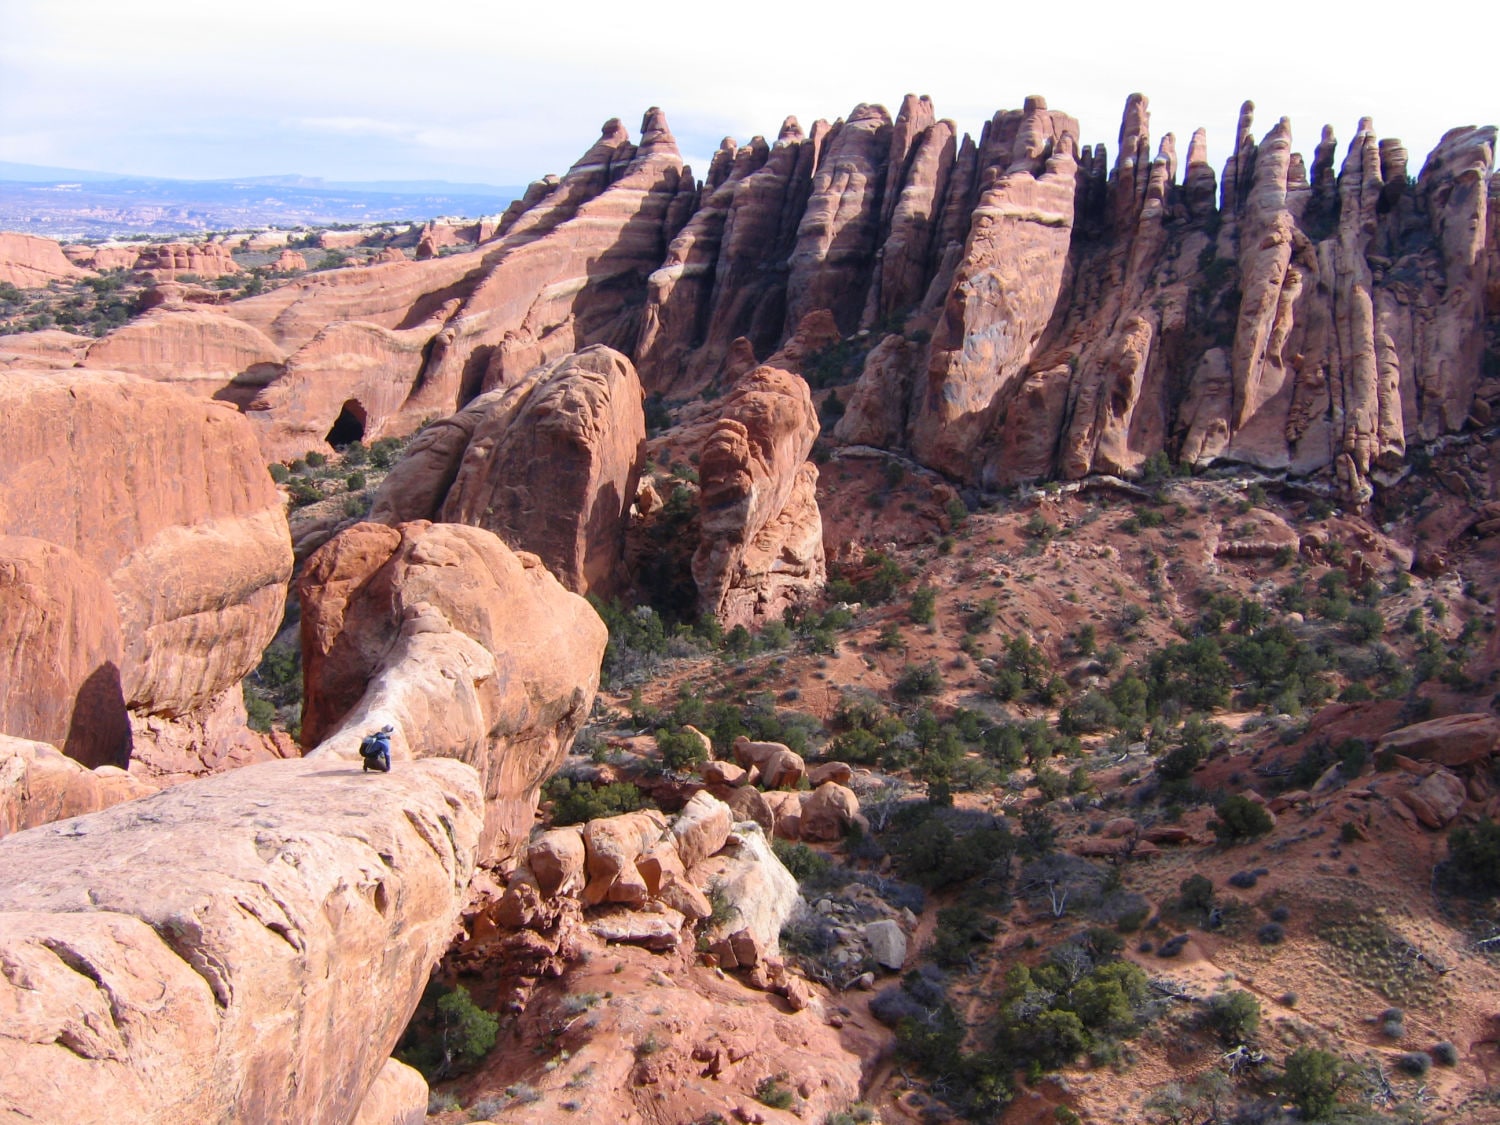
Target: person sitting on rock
(375, 749)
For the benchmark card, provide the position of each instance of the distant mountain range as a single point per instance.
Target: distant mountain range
(73, 203)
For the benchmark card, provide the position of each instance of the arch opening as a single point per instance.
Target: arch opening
(348, 426)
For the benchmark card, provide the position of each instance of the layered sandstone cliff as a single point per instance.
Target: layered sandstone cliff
(29, 262)
(1058, 313)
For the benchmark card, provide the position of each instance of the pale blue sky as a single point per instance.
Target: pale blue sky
(502, 93)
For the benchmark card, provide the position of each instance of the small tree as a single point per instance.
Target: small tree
(1312, 1081)
(680, 750)
(1474, 855)
(1240, 818)
(1234, 1015)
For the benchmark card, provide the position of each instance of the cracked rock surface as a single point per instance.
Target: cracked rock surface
(243, 948)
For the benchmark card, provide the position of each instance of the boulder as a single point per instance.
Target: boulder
(687, 900)
(613, 845)
(1453, 741)
(760, 891)
(721, 773)
(748, 753)
(887, 943)
(1436, 799)
(1120, 826)
(840, 773)
(661, 866)
(786, 807)
(397, 1097)
(827, 812)
(556, 859)
(746, 948)
(659, 930)
(783, 770)
(748, 803)
(701, 828)
(246, 947)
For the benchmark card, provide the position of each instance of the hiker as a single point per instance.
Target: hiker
(375, 749)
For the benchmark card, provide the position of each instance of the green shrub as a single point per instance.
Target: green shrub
(923, 605)
(303, 492)
(1196, 892)
(1234, 1015)
(1474, 855)
(770, 1092)
(259, 713)
(579, 802)
(680, 750)
(1415, 1064)
(1052, 784)
(1312, 1081)
(279, 472)
(355, 482)
(803, 862)
(453, 1038)
(1240, 818)
(918, 679)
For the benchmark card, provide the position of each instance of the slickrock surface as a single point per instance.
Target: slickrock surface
(246, 947)
(145, 565)
(470, 650)
(29, 262)
(203, 351)
(39, 784)
(350, 368)
(549, 464)
(761, 542)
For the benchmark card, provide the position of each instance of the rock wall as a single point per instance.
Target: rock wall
(247, 947)
(550, 464)
(144, 566)
(760, 545)
(471, 651)
(39, 784)
(1067, 315)
(29, 262)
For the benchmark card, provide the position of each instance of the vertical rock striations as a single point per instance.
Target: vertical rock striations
(761, 536)
(1006, 288)
(549, 464)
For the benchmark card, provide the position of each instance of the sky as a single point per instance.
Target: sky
(493, 91)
